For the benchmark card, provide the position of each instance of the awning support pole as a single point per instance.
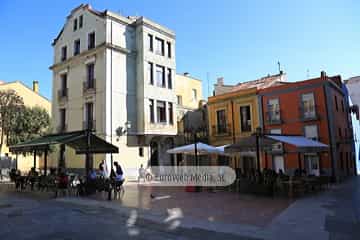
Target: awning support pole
(258, 150)
(266, 160)
(299, 159)
(16, 161)
(196, 151)
(87, 161)
(35, 159)
(45, 162)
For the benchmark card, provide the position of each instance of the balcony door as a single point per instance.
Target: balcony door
(245, 118)
(89, 116)
(308, 105)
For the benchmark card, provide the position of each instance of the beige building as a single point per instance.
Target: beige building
(189, 96)
(116, 76)
(31, 98)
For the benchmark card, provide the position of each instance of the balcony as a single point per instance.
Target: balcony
(62, 128)
(89, 125)
(221, 130)
(308, 114)
(273, 117)
(89, 86)
(62, 94)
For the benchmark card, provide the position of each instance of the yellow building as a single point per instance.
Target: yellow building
(234, 115)
(31, 98)
(189, 95)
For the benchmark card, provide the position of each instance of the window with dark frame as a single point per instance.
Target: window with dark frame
(171, 118)
(169, 78)
(160, 76)
(63, 89)
(62, 119)
(75, 24)
(150, 73)
(245, 118)
(311, 132)
(81, 21)
(150, 42)
(89, 115)
(161, 111)
(91, 40)
(168, 49)
(308, 105)
(273, 110)
(76, 47)
(194, 95)
(179, 99)
(90, 76)
(221, 121)
(151, 110)
(63, 53)
(336, 103)
(159, 47)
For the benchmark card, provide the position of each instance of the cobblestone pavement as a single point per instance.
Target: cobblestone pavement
(333, 214)
(28, 216)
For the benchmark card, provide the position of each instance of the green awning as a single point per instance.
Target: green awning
(82, 141)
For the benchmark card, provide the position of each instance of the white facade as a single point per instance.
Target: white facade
(121, 89)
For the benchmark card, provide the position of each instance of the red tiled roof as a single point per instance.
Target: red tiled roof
(264, 82)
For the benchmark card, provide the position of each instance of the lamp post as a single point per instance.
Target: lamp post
(258, 134)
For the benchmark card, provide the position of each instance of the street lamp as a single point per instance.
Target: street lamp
(120, 131)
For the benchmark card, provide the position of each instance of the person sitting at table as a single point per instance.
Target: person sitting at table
(92, 174)
(119, 174)
(101, 172)
(63, 182)
(32, 175)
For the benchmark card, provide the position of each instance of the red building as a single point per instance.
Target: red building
(316, 108)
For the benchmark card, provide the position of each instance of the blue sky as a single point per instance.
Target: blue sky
(240, 40)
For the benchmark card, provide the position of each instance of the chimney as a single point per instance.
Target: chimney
(186, 74)
(323, 74)
(36, 86)
(220, 81)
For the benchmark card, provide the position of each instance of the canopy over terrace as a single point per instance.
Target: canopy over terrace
(197, 148)
(84, 142)
(264, 142)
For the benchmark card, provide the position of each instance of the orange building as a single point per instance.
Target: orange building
(316, 108)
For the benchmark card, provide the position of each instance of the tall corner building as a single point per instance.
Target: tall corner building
(115, 75)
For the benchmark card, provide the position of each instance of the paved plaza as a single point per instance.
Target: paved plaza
(176, 214)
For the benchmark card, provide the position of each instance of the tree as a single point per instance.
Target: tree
(10, 105)
(30, 123)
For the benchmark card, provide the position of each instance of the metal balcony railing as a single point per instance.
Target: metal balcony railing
(62, 128)
(309, 113)
(221, 129)
(273, 117)
(89, 85)
(62, 94)
(89, 125)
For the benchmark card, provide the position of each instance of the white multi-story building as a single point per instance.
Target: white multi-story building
(115, 75)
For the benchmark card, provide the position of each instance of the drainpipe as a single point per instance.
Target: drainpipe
(330, 123)
(233, 126)
(233, 121)
(111, 73)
